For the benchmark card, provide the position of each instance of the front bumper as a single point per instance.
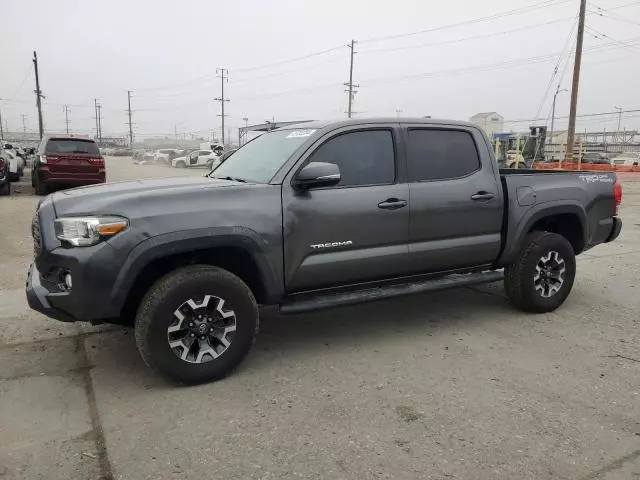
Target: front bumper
(38, 297)
(92, 269)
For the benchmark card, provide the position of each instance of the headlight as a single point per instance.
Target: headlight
(86, 231)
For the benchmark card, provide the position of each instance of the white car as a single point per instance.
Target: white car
(627, 158)
(15, 170)
(197, 158)
(165, 155)
(19, 160)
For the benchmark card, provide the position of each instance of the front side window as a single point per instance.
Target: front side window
(434, 154)
(364, 157)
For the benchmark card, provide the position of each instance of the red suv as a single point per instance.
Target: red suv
(65, 160)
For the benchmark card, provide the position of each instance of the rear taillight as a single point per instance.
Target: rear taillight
(617, 196)
(98, 162)
(48, 159)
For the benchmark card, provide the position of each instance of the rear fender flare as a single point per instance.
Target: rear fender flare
(516, 236)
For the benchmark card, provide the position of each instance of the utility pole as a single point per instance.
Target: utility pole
(619, 116)
(553, 111)
(575, 83)
(240, 131)
(66, 117)
(350, 85)
(1, 132)
(223, 74)
(130, 124)
(95, 106)
(39, 95)
(99, 107)
(24, 126)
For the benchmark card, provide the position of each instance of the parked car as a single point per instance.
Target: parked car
(5, 178)
(14, 165)
(627, 158)
(18, 157)
(596, 158)
(66, 160)
(197, 158)
(165, 155)
(308, 218)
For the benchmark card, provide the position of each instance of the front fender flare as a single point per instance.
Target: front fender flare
(197, 239)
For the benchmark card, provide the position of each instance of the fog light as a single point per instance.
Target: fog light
(67, 281)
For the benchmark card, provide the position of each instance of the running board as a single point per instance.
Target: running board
(321, 301)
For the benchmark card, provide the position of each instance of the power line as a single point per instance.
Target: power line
(291, 60)
(507, 13)
(24, 79)
(466, 39)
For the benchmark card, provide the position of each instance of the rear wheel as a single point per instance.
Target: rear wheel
(5, 189)
(542, 276)
(40, 188)
(181, 164)
(196, 324)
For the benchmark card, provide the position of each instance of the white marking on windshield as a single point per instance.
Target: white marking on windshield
(301, 133)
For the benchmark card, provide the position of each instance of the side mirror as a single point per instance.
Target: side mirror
(317, 175)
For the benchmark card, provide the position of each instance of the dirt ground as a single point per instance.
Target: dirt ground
(455, 384)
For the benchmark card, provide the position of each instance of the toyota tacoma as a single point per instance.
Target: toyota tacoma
(307, 217)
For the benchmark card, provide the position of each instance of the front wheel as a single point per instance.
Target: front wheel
(196, 324)
(5, 189)
(181, 164)
(542, 276)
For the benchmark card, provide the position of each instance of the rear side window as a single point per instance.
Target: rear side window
(364, 157)
(72, 146)
(441, 154)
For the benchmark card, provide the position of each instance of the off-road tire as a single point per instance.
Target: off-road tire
(156, 313)
(519, 276)
(6, 188)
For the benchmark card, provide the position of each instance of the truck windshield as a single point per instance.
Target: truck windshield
(259, 160)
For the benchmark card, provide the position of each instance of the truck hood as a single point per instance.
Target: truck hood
(121, 198)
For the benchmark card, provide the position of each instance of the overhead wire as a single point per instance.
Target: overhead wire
(535, 6)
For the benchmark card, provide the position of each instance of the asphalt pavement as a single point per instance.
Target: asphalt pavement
(454, 384)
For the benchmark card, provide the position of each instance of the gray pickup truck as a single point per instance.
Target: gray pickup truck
(307, 217)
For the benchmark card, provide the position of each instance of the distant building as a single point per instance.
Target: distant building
(490, 122)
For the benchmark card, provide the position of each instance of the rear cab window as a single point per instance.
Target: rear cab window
(440, 154)
(59, 145)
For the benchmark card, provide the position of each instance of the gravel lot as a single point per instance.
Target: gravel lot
(456, 384)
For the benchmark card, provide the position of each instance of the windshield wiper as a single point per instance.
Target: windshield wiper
(233, 179)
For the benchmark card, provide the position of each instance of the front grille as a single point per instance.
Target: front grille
(35, 233)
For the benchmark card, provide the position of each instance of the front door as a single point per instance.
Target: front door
(353, 232)
(456, 201)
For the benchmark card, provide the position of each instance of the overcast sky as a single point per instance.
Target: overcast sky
(167, 53)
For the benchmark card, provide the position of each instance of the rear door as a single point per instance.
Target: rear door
(456, 200)
(204, 156)
(73, 156)
(357, 230)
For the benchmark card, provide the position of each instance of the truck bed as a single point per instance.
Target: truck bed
(579, 201)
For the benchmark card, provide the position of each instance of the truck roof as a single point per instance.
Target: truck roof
(318, 124)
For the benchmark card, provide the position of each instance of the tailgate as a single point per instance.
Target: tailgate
(73, 163)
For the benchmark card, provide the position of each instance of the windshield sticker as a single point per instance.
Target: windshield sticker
(301, 133)
(596, 177)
